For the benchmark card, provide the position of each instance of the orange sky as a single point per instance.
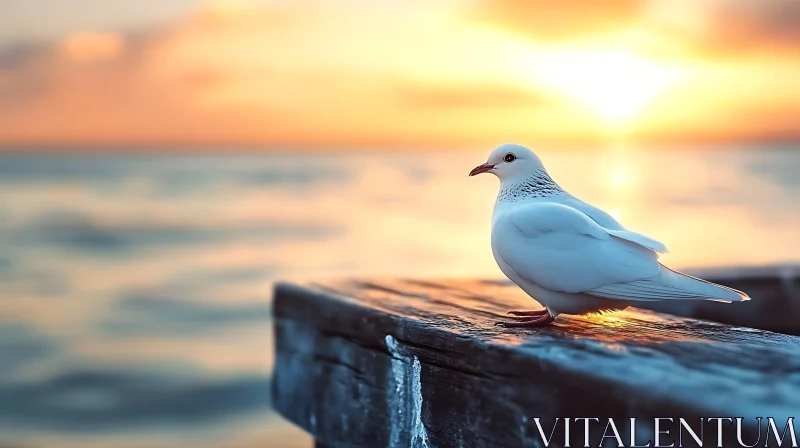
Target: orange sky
(359, 73)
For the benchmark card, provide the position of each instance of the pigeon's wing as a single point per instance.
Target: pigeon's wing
(613, 227)
(597, 214)
(562, 249)
(638, 238)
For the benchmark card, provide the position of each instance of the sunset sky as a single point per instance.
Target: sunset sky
(416, 73)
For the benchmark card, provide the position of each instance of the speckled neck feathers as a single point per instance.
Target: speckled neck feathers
(538, 184)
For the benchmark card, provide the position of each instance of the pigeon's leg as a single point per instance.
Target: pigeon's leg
(540, 321)
(541, 312)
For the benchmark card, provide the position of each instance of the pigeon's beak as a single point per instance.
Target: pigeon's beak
(481, 169)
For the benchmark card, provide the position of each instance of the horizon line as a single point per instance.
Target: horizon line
(233, 148)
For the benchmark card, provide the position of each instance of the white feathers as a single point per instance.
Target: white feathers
(669, 285)
(639, 239)
(555, 246)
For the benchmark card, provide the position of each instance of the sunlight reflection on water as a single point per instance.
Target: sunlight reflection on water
(135, 302)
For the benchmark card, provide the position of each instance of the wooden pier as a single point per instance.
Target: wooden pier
(404, 363)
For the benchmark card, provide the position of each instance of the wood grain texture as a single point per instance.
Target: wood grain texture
(420, 363)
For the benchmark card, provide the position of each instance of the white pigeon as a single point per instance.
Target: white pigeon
(570, 256)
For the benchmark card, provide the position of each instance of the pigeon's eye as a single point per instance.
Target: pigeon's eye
(510, 157)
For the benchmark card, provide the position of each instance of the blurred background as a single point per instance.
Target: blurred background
(162, 163)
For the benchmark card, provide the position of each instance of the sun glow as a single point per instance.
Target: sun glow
(615, 85)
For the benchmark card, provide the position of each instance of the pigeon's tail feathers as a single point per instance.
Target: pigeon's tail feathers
(718, 292)
(669, 285)
(639, 239)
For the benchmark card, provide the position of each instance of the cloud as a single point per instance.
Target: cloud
(15, 55)
(232, 78)
(87, 46)
(554, 20)
(719, 27)
(473, 96)
(222, 77)
(99, 89)
(43, 21)
(738, 26)
(244, 74)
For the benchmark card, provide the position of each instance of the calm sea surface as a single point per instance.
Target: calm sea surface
(135, 291)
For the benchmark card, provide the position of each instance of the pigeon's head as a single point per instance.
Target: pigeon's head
(510, 161)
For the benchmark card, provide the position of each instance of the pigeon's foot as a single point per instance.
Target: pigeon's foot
(541, 312)
(527, 322)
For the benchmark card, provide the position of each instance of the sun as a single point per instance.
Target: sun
(615, 85)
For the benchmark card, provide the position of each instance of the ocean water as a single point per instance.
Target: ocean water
(135, 290)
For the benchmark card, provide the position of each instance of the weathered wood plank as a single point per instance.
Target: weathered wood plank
(409, 363)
